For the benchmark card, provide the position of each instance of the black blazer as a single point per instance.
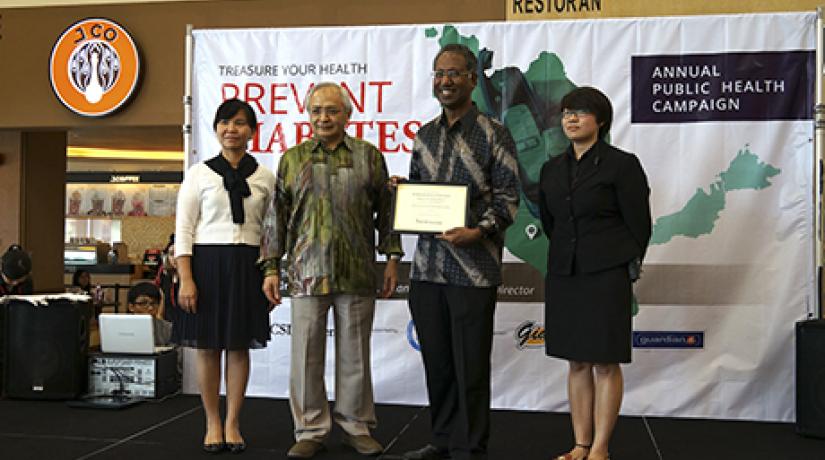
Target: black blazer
(603, 219)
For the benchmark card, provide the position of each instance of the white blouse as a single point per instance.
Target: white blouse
(204, 214)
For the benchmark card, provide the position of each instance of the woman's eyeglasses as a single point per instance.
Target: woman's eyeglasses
(567, 113)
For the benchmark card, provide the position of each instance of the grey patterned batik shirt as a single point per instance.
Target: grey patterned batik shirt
(477, 151)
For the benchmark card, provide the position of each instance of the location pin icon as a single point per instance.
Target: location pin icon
(532, 231)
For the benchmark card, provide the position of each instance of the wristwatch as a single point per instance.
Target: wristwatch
(487, 229)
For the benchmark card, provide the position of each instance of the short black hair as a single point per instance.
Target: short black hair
(144, 288)
(458, 48)
(76, 277)
(229, 108)
(595, 102)
(16, 262)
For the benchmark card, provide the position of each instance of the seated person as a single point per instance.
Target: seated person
(82, 282)
(16, 270)
(145, 298)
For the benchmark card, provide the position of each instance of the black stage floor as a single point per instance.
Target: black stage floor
(173, 429)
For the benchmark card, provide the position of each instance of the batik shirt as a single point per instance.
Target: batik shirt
(323, 216)
(477, 151)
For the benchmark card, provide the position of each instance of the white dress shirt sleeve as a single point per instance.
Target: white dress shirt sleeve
(188, 212)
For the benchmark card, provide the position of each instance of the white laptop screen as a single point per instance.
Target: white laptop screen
(126, 333)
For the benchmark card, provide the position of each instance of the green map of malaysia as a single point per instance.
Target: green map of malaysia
(698, 217)
(527, 103)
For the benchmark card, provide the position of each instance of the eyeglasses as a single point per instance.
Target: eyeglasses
(567, 113)
(146, 303)
(451, 74)
(329, 111)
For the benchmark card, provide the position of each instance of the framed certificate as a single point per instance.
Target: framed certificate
(425, 207)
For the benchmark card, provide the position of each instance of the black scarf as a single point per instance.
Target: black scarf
(234, 181)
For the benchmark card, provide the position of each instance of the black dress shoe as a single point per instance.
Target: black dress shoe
(236, 447)
(428, 452)
(214, 448)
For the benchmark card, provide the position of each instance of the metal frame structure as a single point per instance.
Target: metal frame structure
(187, 99)
(819, 143)
(815, 310)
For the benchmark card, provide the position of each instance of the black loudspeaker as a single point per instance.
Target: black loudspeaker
(2, 347)
(810, 378)
(46, 349)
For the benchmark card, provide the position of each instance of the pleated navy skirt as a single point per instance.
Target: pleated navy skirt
(588, 316)
(232, 311)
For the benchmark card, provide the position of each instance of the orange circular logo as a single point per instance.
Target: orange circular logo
(94, 67)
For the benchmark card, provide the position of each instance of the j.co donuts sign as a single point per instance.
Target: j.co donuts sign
(94, 67)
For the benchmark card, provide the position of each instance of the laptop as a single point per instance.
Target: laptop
(129, 334)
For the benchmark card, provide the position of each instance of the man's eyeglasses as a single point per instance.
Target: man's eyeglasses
(451, 74)
(146, 303)
(567, 113)
(329, 111)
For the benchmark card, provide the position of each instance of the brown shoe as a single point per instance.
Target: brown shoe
(304, 449)
(364, 444)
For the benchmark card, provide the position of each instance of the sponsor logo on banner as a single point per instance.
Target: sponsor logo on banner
(412, 338)
(768, 85)
(94, 67)
(668, 339)
(286, 329)
(529, 334)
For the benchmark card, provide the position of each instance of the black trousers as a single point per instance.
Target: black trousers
(455, 330)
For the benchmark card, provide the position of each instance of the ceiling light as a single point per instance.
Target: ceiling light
(117, 154)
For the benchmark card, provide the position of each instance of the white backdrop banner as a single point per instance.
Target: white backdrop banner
(719, 111)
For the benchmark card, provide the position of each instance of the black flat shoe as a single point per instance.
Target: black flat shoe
(214, 448)
(236, 447)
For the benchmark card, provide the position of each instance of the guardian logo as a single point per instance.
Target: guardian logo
(668, 339)
(94, 67)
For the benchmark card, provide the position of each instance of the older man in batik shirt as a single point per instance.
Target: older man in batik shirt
(331, 196)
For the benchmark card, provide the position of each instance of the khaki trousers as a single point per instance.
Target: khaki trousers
(354, 407)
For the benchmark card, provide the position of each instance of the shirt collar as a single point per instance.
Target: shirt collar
(348, 142)
(464, 123)
(589, 153)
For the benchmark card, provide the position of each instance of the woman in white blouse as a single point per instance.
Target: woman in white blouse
(221, 204)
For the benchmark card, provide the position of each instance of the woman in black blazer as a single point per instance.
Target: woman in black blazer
(593, 201)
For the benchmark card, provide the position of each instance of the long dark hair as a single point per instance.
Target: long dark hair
(76, 279)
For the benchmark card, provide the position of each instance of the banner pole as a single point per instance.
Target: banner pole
(819, 141)
(187, 100)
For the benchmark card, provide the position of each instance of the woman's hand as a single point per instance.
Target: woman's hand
(188, 295)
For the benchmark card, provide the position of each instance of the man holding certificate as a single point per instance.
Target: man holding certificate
(455, 272)
(331, 195)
